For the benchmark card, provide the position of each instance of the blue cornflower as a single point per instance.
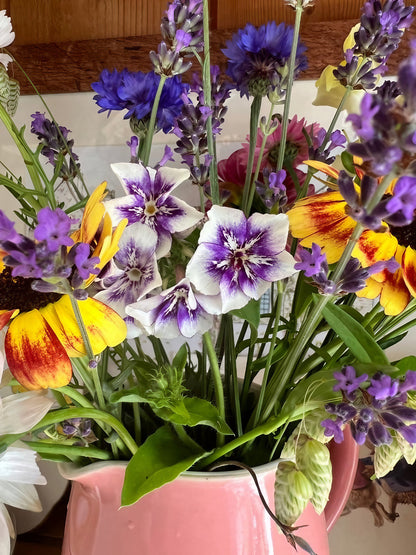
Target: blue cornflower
(135, 92)
(257, 58)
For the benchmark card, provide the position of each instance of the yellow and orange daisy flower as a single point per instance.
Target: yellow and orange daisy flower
(43, 333)
(323, 219)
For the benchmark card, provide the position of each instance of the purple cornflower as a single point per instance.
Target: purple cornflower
(135, 92)
(180, 310)
(54, 227)
(56, 145)
(239, 257)
(149, 201)
(258, 58)
(374, 408)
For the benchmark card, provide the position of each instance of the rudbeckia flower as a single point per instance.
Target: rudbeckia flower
(43, 332)
(323, 219)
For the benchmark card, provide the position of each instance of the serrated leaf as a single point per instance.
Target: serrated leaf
(161, 458)
(4, 84)
(198, 412)
(386, 457)
(361, 344)
(408, 449)
(13, 98)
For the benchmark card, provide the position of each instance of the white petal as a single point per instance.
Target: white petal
(191, 218)
(220, 216)
(6, 31)
(19, 465)
(135, 173)
(197, 272)
(21, 411)
(6, 530)
(5, 60)
(21, 496)
(276, 226)
(234, 301)
(113, 207)
(173, 176)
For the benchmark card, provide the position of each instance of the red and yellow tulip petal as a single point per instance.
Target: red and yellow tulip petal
(35, 356)
(409, 270)
(104, 326)
(6, 316)
(374, 246)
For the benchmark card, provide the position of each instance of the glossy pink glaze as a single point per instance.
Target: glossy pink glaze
(197, 514)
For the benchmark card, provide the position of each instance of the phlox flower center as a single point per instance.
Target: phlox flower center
(150, 208)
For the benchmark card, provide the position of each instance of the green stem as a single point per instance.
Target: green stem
(231, 362)
(265, 379)
(45, 447)
(217, 381)
(152, 121)
(254, 123)
(206, 80)
(348, 90)
(289, 87)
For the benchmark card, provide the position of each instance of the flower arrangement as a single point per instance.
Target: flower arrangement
(299, 216)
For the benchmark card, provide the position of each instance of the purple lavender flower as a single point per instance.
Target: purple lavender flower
(54, 227)
(180, 310)
(85, 264)
(56, 145)
(376, 410)
(348, 381)
(150, 202)
(407, 79)
(7, 231)
(257, 58)
(403, 202)
(333, 428)
(312, 263)
(239, 258)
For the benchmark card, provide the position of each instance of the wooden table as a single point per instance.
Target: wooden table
(45, 539)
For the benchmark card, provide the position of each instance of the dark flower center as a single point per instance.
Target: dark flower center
(406, 235)
(17, 293)
(291, 151)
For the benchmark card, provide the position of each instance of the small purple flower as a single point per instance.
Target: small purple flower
(403, 201)
(348, 380)
(150, 202)
(7, 231)
(54, 227)
(180, 310)
(382, 387)
(240, 257)
(85, 264)
(312, 263)
(333, 428)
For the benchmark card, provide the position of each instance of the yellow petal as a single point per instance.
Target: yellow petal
(5, 317)
(409, 269)
(35, 356)
(371, 290)
(325, 168)
(374, 246)
(92, 216)
(104, 326)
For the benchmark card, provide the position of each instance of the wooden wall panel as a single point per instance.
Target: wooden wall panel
(43, 21)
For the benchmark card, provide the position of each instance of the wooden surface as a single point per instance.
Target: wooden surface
(73, 66)
(46, 539)
(44, 21)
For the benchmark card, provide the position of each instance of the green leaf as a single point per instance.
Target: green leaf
(198, 411)
(406, 363)
(180, 358)
(250, 313)
(361, 344)
(348, 162)
(161, 458)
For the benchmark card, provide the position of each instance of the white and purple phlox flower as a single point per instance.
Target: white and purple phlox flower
(239, 257)
(134, 272)
(150, 202)
(177, 311)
